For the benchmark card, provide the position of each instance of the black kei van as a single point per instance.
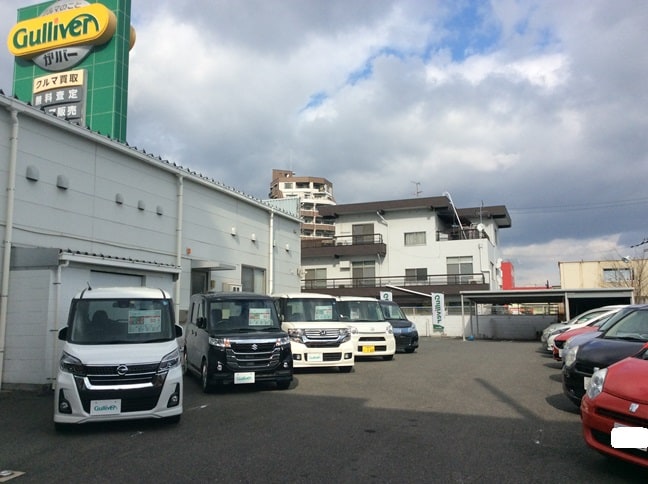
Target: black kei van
(236, 338)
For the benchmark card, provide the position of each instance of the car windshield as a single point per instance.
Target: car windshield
(311, 310)
(361, 311)
(121, 321)
(392, 311)
(632, 326)
(242, 315)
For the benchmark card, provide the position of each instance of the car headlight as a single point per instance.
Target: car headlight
(283, 341)
(353, 330)
(558, 331)
(346, 334)
(71, 364)
(389, 329)
(296, 335)
(569, 356)
(169, 361)
(413, 327)
(596, 383)
(220, 342)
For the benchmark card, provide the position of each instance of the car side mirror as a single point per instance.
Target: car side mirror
(201, 322)
(178, 331)
(62, 334)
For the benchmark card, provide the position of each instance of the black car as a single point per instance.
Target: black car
(405, 332)
(235, 338)
(625, 335)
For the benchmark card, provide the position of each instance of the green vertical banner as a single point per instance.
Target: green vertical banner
(71, 60)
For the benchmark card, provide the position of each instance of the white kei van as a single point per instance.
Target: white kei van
(120, 359)
(372, 334)
(317, 336)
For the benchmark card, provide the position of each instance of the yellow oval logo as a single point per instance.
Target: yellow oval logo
(92, 24)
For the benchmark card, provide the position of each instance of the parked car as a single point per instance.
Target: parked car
(317, 336)
(235, 338)
(371, 333)
(625, 337)
(405, 332)
(559, 338)
(617, 397)
(582, 317)
(120, 359)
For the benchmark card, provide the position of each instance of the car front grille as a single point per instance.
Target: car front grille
(137, 386)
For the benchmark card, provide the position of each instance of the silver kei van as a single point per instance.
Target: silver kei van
(120, 359)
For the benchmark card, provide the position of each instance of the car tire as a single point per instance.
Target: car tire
(388, 357)
(173, 420)
(62, 427)
(283, 384)
(345, 369)
(410, 350)
(204, 377)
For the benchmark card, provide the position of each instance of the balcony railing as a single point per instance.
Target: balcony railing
(469, 233)
(344, 246)
(400, 281)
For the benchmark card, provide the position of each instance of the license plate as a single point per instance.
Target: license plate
(627, 437)
(244, 377)
(315, 357)
(368, 349)
(105, 407)
(586, 382)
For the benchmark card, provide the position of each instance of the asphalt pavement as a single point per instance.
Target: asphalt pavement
(454, 411)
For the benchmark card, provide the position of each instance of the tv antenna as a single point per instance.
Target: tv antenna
(417, 191)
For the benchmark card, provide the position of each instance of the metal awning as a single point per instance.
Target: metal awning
(208, 265)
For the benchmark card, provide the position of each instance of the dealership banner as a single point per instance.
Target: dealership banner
(438, 309)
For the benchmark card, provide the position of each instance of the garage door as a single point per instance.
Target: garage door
(111, 279)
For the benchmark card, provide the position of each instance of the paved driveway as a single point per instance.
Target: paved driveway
(454, 411)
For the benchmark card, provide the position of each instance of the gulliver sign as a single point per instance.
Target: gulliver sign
(63, 35)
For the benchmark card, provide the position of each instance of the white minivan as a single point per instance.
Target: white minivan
(372, 334)
(120, 359)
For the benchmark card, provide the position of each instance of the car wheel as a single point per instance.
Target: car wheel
(173, 420)
(62, 427)
(283, 384)
(388, 357)
(184, 361)
(410, 350)
(204, 377)
(345, 369)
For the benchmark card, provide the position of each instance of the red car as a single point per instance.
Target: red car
(617, 397)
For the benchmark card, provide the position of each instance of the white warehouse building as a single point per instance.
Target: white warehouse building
(81, 209)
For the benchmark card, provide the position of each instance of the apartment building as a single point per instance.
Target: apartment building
(411, 247)
(627, 272)
(312, 193)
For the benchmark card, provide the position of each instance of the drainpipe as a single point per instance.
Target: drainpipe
(6, 255)
(179, 211)
(271, 244)
(57, 325)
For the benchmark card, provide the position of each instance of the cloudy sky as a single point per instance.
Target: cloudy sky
(538, 105)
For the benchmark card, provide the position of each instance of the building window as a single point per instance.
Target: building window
(362, 233)
(288, 185)
(363, 273)
(459, 269)
(416, 275)
(617, 275)
(315, 278)
(253, 279)
(414, 238)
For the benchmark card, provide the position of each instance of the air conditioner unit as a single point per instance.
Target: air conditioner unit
(229, 287)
